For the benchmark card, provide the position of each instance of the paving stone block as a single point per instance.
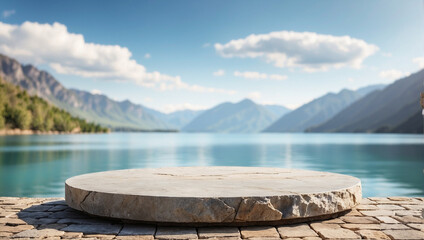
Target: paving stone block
(58, 208)
(367, 207)
(68, 214)
(99, 236)
(259, 231)
(360, 220)
(367, 201)
(397, 199)
(12, 221)
(372, 234)
(83, 221)
(33, 214)
(16, 229)
(374, 226)
(5, 214)
(409, 219)
(390, 207)
(135, 237)
(5, 235)
(93, 229)
(72, 235)
(37, 208)
(44, 233)
(408, 213)
(35, 221)
(176, 233)
(354, 212)
(221, 232)
(379, 199)
(404, 234)
(374, 213)
(414, 207)
(338, 234)
(319, 226)
(137, 229)
(333, 221)
(293, 231)
(56, 226)
(417, 226)
(384, 219)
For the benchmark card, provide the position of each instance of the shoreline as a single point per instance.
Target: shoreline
(18, 132)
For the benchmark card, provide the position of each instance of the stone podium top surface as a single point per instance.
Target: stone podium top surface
(213, 182)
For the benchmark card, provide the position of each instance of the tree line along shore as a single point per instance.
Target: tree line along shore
(22, 114)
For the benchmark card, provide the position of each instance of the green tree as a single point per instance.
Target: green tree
(38, 117)
(21, 118)
(20, 110)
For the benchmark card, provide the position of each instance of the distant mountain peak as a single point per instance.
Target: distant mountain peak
(247, 100)
(244, 116)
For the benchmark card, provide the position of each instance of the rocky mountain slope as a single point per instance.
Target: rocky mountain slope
(318, 110)
(396, 108)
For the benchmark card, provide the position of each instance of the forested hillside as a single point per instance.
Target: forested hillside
(20, 110)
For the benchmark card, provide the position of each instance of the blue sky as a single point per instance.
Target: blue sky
(172, 55)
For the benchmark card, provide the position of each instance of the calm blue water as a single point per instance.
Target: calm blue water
(37, 166)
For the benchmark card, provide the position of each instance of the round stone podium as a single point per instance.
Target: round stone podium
(213, 195)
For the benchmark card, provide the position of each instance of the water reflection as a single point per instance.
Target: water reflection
(39, 165)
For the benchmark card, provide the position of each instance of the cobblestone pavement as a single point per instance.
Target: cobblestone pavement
(51, 218)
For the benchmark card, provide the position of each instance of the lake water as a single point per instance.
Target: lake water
(38, 165)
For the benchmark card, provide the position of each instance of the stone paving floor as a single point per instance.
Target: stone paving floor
(51, 218)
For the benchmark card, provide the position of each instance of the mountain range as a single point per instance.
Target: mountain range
(393, 109)
(92, 107)
(319, 110)
(241, 117)
(375, 108)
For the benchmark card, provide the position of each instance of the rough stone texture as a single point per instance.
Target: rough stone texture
(215, 195)
(257, 209)
(83, 226)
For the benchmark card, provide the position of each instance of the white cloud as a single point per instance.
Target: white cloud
(250, 75)
(205, 45)
(254, 95)
(219, 73)
(69, 53)
(8, 13)
(393, 74)
(96, 92)
(147, 99)
(307, 50)
(351, 80)
(147, 56)
(184, 106)
(419, 61)
(258, 75)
